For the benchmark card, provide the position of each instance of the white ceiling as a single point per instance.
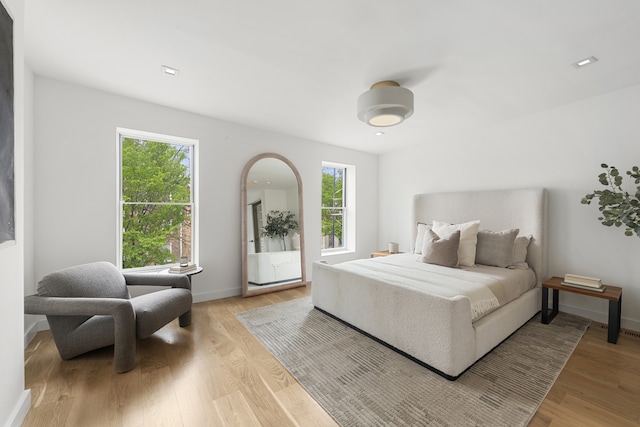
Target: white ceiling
(297, 67)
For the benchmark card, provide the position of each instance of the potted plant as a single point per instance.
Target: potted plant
(618, 207)
(278, 224)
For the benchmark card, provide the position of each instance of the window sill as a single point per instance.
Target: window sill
(337, 252)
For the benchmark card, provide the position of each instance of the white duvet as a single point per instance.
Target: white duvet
(487, 288)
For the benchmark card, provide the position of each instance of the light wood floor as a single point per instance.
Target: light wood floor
(215, 373)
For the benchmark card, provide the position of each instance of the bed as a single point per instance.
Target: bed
(442, 317)
(268, 268)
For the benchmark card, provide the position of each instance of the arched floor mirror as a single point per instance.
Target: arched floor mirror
(273, 255)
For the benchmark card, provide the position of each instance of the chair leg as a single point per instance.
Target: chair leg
(124, 348)
(185, 319)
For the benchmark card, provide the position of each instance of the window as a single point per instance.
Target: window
(338, 207)
(157, 195)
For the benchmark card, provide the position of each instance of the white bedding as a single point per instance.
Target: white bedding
(486, 288)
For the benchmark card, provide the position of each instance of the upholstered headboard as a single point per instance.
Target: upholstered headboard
(497, 210)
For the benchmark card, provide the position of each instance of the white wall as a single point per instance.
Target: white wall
(559, 149)
(14, 400)
(75, 179)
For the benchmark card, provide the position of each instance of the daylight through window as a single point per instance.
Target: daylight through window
(334, 207)
(156, 200)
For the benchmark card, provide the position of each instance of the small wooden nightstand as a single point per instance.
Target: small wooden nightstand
(382, 253)
(612, 293)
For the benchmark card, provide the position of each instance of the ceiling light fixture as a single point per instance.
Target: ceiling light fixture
(586, 61)
(385, 104)
(169, 70)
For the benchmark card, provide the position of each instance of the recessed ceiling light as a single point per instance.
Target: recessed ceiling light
(169, 70)
(379, 133)
(585, 62)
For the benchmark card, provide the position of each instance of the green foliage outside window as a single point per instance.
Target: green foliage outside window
(332, 205)
(156, 196)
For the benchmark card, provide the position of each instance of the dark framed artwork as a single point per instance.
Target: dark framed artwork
(7, 186)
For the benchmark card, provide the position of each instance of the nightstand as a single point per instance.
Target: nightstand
(382, 253)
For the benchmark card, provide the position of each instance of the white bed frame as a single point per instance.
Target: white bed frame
(436, 331)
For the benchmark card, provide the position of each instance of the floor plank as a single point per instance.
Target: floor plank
(216, 373)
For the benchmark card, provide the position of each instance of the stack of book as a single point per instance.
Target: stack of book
(589, 283)
(182, 269)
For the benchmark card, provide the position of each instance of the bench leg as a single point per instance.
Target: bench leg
(546, 316)
(615, 311)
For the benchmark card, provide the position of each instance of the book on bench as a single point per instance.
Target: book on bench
(583, 280)
(588, 288)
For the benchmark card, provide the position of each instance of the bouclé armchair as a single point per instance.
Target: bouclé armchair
(88, 307)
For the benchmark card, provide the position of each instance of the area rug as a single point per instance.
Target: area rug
(360, 382)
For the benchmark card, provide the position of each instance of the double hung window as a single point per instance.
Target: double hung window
(337, 216)
(157, 199)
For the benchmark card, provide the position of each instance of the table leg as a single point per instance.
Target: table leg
(545, 305)
(546, 316)
(615, 311)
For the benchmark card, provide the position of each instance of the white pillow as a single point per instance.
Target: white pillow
(468, 239)
(422, 228)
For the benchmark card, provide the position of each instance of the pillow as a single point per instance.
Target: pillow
(440, 251)
(495, 247)
(468, 239)
(422, 227)
(295, 241)
(520, 248)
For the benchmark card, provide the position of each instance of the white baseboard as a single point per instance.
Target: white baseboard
(208, 296)
(39, 325)
(633, 325)
(20, 410)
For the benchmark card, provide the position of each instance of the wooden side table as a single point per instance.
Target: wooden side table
(188, 273)
(611, 293)
(382, 253)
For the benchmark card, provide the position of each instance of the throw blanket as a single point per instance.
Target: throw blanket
(486, 287)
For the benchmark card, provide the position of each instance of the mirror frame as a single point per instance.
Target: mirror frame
(246, 292)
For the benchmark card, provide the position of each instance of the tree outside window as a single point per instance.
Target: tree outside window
(333, 207)
(156, 202)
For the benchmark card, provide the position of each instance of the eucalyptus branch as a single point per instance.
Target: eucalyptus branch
(618, 207)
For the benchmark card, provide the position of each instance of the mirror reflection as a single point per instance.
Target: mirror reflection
(273, 249)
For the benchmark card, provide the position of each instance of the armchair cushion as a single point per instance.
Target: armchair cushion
(156, 309)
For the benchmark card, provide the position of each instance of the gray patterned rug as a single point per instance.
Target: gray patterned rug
(360, 382)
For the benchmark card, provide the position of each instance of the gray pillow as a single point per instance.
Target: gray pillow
(495, 248)
(440, 251)
(520, 249)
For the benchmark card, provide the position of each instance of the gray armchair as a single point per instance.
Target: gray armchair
(88, 307)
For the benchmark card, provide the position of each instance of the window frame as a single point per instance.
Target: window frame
(349, 209)
(122, 133)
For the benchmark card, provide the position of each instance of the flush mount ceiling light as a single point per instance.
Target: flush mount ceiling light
(585, 62)
(385, 104)
(169, 70)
